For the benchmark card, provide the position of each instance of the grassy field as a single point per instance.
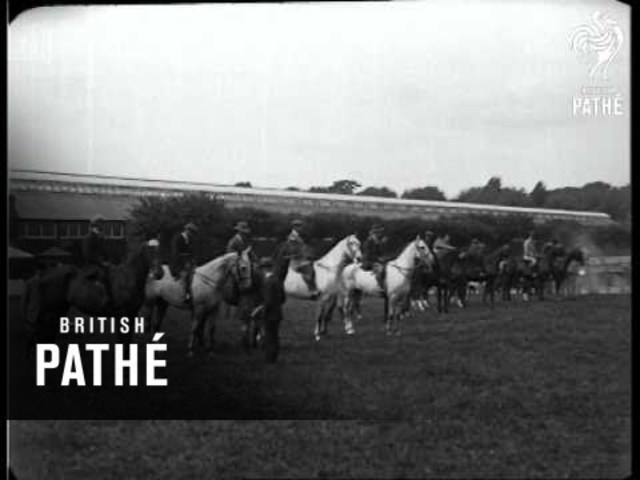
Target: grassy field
(527, 390)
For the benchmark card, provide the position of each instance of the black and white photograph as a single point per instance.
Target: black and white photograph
(386, 239)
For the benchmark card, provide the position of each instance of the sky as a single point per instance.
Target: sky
(403, 94)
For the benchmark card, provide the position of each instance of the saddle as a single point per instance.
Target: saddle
(231, 291)
(379, 270)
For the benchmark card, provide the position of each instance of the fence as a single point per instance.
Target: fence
(605, 275)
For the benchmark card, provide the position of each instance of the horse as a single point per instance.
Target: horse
(208, 294)
(327, 272)
(451, 279)
(533, 278)
(397, 286)
(58, 290)
(562, 266)
(489, 270)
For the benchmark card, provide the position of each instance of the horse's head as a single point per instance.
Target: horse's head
(352, 251)
(422, 253)
(154, 261)
(243, 271)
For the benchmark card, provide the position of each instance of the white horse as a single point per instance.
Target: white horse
(399, 274)
(327, 272)
(206, 290)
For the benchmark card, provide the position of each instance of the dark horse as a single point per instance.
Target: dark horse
(533, 278)
(451, 279)
(492, 270)
(550, 268)
(52, 295)
(560, 267)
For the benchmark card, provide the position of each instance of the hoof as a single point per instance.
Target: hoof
(317, 337)
(189, 354)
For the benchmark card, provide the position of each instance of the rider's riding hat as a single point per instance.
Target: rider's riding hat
(297, 223)
(242, 227)
(191, 227)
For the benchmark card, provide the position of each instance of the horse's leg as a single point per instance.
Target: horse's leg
(331, 305)
(196, 329)
(211, 320)
(321, 310)
(346, 311)
(386, 310)
(159, 310)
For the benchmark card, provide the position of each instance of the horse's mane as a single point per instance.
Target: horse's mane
(218, 261)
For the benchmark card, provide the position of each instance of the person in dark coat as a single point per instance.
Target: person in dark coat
(182, 258)
(373, 253)
(95, 255)
(273, 298)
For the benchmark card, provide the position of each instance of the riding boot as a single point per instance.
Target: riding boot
(311, 285)
(188, 297)
(380, 278)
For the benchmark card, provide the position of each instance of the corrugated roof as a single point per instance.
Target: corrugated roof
(55, 252)
(17, 253)
(173, 185)
(35, 205)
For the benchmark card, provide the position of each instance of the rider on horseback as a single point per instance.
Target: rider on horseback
(96, 260)
(182, 258)
(241, 240)
(504, 253)
(530, 254)
(372, 253)
(297, 249)
(442, 245)
(557, 250)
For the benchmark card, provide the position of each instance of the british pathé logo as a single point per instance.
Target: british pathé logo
(597, 43)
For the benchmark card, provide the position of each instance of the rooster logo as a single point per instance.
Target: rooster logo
(597, 43)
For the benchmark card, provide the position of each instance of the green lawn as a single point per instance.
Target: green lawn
(527, 390)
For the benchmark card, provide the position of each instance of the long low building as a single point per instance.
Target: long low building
(53, 209)
(113, 196)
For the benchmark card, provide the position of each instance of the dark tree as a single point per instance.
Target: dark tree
(539, 194)
(424, 193)
(341, 187)
(378, 192)
(165, 216)
(243, 184)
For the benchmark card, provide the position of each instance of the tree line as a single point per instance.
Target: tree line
(594, 196)
(162, 217)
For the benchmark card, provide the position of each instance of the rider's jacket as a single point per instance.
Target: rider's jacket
(93, 249)
(372, 252)
(237, 244)
(181, 252)
(529, 249)
(440, 246)
(296, 247)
